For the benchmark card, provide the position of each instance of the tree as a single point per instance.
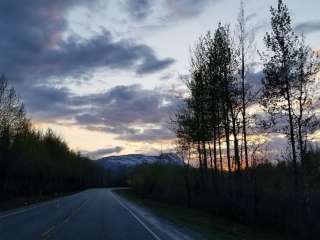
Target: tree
(288, 74)
(12, 113)
(225, 66)
(12, 121)
(32, 162)
(244, 47)
(279, 78)
(306, 121)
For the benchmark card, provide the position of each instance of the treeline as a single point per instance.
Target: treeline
(227, 169)
(259, 197)
(35, 163)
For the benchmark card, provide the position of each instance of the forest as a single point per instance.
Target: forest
(35, 163)
(227, 119)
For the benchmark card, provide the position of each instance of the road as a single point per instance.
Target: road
(92, 214)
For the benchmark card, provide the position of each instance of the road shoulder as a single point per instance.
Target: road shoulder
(162, 227)
(193, 222)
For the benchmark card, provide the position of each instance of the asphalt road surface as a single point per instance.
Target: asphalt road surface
(92, 214)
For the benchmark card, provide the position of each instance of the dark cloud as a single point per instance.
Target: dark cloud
(173, 10)
(47, 103)
(149, 135)
(120, 129)
(138, 9)
(308, 27)
(76, 58)
(103, 152)
(33, 47)
(150, 65)
(187, 8)
(127, 105)
(122, 110)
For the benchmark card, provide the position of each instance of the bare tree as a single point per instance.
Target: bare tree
(244, 45)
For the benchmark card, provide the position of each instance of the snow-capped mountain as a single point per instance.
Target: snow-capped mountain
(132, 160)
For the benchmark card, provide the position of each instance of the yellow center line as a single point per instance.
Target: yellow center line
(46, 234)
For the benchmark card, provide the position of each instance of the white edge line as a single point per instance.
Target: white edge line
(135, 216)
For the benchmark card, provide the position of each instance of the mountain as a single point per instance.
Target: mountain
(132, 160)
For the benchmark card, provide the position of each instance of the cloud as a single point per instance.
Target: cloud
(127, 105)
(34, 47)
(99, 153)
(186, 8)
(170, 10)
(37, 49)
(76, 58)
(149, 135)
(151, 64)
(131, 112)
(120, 129)
(47, 103)
(308, 27)
(138, 9)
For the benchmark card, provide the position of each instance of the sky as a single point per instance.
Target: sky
(106, 74)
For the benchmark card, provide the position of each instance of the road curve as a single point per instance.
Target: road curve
(92, 214)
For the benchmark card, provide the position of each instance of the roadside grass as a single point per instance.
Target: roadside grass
(209, 226)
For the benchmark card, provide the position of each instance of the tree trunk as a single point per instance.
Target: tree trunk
(187, 179)
(228, 145)
(244, 117)
(302, 146)
(220, 154)
(211, 159)
(213, 167)
(205, 160)
(200, 164)
(292, 141)
(235, 142)
(219, 143)
(215, 149)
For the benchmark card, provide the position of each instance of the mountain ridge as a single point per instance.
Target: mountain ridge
(133, 160)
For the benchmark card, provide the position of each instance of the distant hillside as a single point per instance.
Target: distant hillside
(132, 160)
